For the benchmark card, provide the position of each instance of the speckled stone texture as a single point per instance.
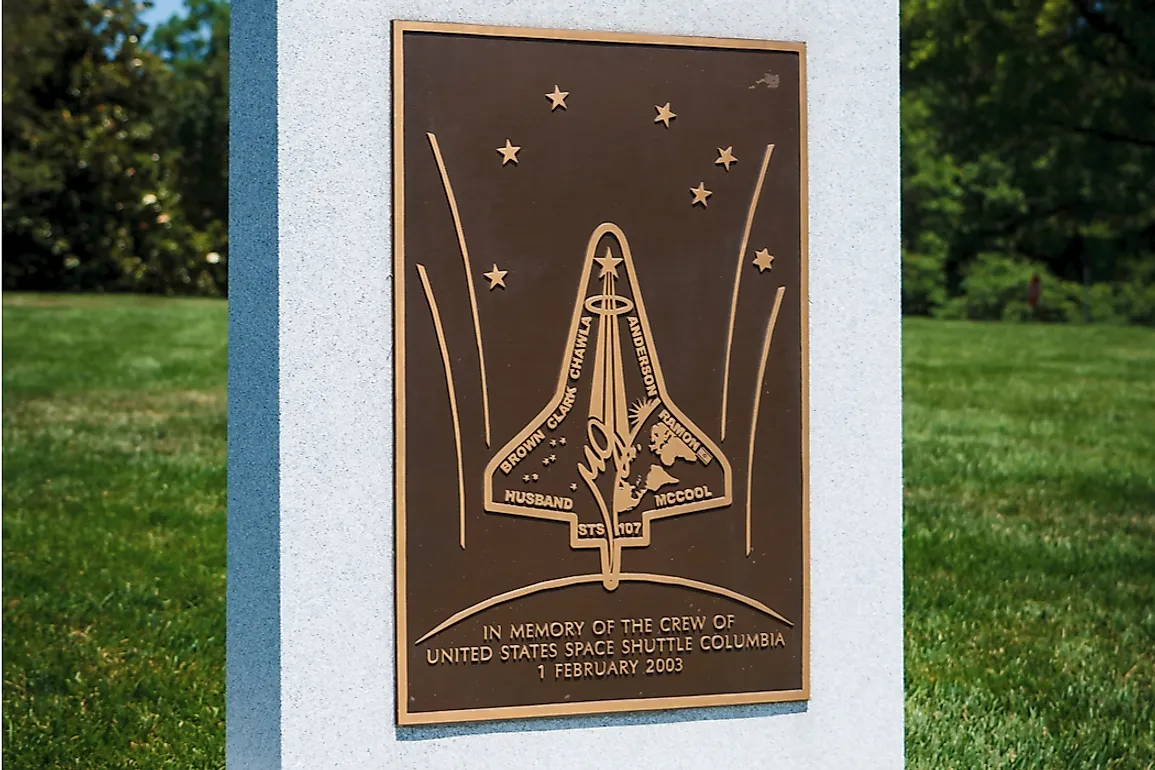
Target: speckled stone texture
(310, 627)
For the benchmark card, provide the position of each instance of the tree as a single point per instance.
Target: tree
(1030, 130)
(194, 118)
(89, 195)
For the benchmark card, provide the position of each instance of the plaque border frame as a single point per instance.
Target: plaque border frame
(404, 717)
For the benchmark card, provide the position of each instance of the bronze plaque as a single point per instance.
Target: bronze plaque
(600, 298)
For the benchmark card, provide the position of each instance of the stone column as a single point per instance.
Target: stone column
(311, 672)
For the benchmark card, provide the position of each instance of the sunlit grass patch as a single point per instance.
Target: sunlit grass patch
(1029, 546)
(114, 532)
(1029, 539)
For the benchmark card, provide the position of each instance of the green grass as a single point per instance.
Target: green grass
(1030, 539)
(114, 532)
(1029, 546)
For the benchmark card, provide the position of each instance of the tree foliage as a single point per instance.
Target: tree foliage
(1028, 147)
(195, 115)
(96, 181)
(1029, 131)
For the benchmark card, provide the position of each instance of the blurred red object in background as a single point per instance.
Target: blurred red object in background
(1034, 290)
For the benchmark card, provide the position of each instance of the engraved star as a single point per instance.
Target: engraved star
(535, 477)
(561, 441)
(553, 458)
(665, 114)
(763, 260)
(508, 153)
(726, 157)
(496, 277)
(558, 98)
(700, 194)
(525, 478)
(609, 264)
(545, 461)
(573, 487)
(553, 442)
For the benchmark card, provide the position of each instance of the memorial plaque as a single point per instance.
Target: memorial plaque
(601, 373)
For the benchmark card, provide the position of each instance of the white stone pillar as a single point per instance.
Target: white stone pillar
(311, 672)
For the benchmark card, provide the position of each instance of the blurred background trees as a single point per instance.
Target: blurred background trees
(1028, 149)
(115, 148)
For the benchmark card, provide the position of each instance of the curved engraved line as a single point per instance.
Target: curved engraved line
(604, 309)
(452, 397)
(468, 275)
(625, 577)
(757, 405)
(738, 281)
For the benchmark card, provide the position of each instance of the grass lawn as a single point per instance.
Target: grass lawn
(1030, 539)
(114, 532)
(1029, 546)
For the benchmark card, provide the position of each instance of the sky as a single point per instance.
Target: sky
(162, 10)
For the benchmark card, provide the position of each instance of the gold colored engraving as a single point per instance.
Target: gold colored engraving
(624, 577)
(666, 443)
(599, 36)
(609, 264)
(496, 277)
(700, 194)
(725, 157)
(610, 326)
(738, 281)
(401, 545)
(452, 399)
(763, 260)
(804, 322)
(557, 99)
(757, 406)
(665, 114)
(468, 275)
(508, 153)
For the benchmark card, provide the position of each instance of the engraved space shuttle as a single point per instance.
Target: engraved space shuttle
(611, 452)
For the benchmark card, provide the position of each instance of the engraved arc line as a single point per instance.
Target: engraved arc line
(738, 281)
(757, 405)
(468, 274)
(625, 577)
(452, 399)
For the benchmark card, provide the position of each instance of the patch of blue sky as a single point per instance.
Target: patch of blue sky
(162, 11)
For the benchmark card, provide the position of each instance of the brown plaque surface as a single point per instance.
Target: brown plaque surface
(600, 298)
